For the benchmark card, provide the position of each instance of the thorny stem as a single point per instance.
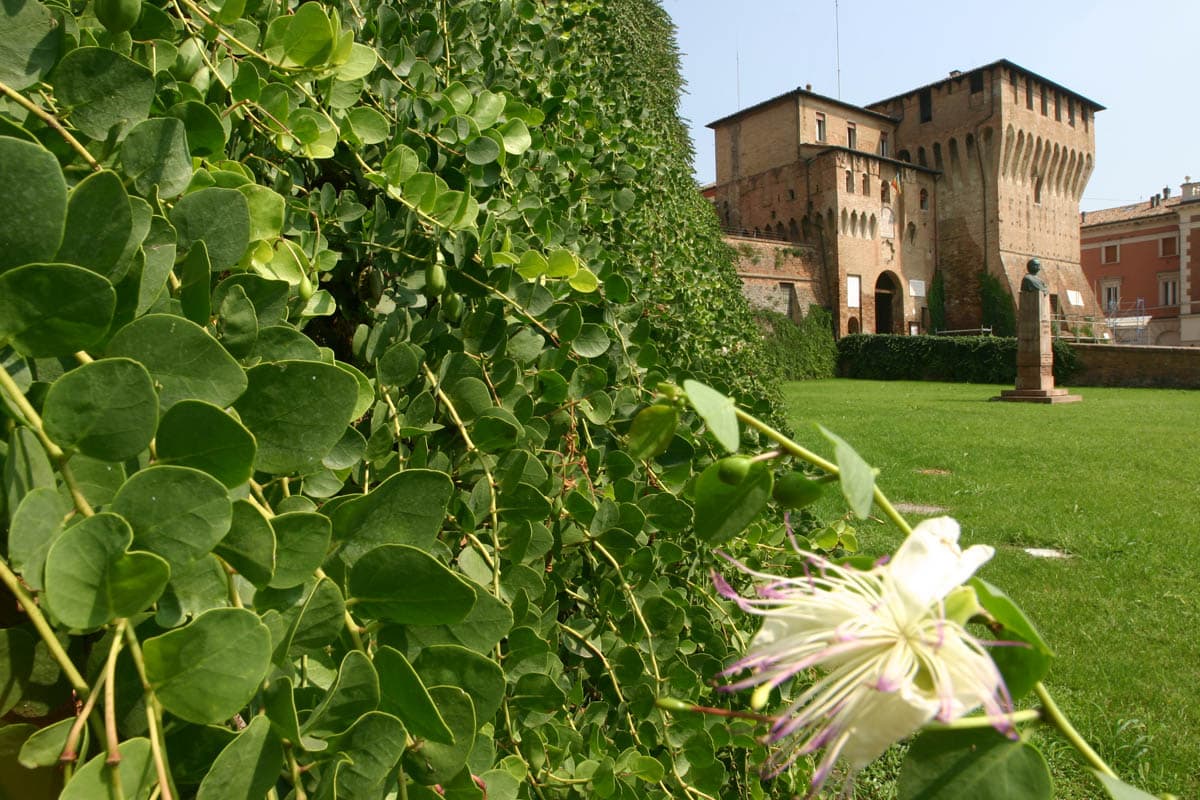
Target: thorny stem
(153, 715)
(34, 420)
(44, 630)
(52, 121)
(1055, 715)
(801, 452)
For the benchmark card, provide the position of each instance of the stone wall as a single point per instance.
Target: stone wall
(1114, 365)
(779, 276)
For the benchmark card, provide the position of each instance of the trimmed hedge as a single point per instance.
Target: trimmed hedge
(800, 352)
(958, 359)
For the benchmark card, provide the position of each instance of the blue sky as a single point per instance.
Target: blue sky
(1141, 60)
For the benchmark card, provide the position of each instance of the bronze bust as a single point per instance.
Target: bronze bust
(1033, 282)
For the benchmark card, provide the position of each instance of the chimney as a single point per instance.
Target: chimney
(1083, 216)
(1166, 192)
(954, 73)
(808, 87)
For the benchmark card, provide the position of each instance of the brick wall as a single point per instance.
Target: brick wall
(763, 266)
(1113, 365)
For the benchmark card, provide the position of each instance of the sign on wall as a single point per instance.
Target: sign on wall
(916, 288)
(853, 291)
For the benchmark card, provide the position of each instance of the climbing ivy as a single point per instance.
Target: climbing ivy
(322, 326)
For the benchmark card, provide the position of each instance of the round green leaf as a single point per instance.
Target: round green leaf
(54, 309)
(99, 224)
(476, 674)
(297, 411)
(100, 88)
(591, 342)
(723, 510)
(182, 359)
(197, 434)
(308, 41)
(30, 44)
(205, 133)
(34, 211)
(92, 781)
(652, 430)
(247, 767)
(218, 217)
(718, 413)
(249, 547)
(35, 525)
(355, 692)
(433, 763)
(368, 125)
(107, 409)
(402, 694)
(301, 543)
(91, 579)
(155, 155)
(980, 764)
(483, 150)
(16, 666)
(207, 670)
(369, 753)
(430, 594)
(496, 430)
(177, 512)
(855, 476)
(266, 211)
(407, 508)
(516, 137)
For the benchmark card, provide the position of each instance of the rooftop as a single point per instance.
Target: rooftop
(800, 91)
(1004, 63)
(1143, 210)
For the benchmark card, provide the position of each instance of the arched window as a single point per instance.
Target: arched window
(866, 183)
(924, 200)
(885, 192)
(849, 182)
(921, 157)
(912, 232)
(903, 155)
(793, 230)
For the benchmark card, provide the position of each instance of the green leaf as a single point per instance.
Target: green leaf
(538, 692)
(488, 621)
(400, 164)
(717, 411)
(54, 309)
(371, 750)
(516, 137)
(652, 431)
(26, 467)
(177, 512)
(402, 694)
(102, 89)
(249, 547)
(248, 766)
(368, 125)
(99, 223)
(430, 594)
(207, 670)
(267, 211)
(16, 665)
(30, 44)
(297, 411)
(1119, 790)
(91, 579)
(532, 265)
(496, 430)
(35, 525)
(205, 133)
(476, 674)
(155, 155)
(93, 782)
(197, 434)
(34, 212)
(483, 150)
(1022, 667)
(301, 542)
(106, 409)
(182, 359)
(723, 510)
(308, 41)
(354, 693)
(431, 762)
(979, 764)
(218, 217)
(195, 293)
(43, 748)
(407, 508)
(584, 280)
(591, 342)
(855, 475)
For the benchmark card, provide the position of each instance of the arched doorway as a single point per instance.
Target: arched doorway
(889, 303)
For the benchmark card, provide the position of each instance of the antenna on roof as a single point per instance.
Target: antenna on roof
(837, 48)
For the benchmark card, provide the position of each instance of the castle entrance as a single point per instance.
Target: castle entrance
(889, 303)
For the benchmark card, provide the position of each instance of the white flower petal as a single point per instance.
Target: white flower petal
(881, 720)
(929, 563)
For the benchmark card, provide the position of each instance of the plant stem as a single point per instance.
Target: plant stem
(34, 613)
(70, 752)
(1055, 715)
(153, 715)
(110, 697)
(52, 121)
(970, 723)
(297, 779)
(804, 453)
(354, 629)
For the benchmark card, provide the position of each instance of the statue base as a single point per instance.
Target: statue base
(1038, 396)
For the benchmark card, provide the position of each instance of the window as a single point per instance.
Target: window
(1110, 294)
(1071, 111)
(1110, 254)
(866, 183)
(924, 200)
(977, 82)
(789, 295)
(849, 182)
(885, 192)
(1168, 289)
(791, 194)
(851, 135)
(1012, 78)
(1083, 115)
(1168, 247)
(820, 127)
(1057, 107)
(921, 157)
(853, 291)
(926, 101)
(883, 144)
(1045, 101)
(1029, 94)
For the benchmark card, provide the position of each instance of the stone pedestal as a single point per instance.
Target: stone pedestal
(1035, 358)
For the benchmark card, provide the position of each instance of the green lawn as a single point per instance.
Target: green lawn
(1114, 482)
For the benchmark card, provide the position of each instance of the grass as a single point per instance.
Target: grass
(1113, 483)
